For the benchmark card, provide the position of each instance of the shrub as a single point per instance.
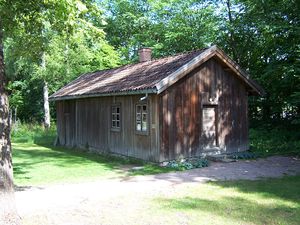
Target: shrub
(243, 155)
(188, 164)
(32, 132)
(275, 141)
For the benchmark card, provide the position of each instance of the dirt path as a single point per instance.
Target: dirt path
(117, 201)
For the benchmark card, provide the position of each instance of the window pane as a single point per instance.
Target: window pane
(113, 123)
(144, 108)
(138, 109)
(118, 124)
(118, 109)
(113, 116)
(118, 116)
(144, 117)
(113, 109)
(138, 126)
(138, 117)
(144, 127)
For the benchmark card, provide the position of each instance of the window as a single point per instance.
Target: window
(141, 118)
(115, 117)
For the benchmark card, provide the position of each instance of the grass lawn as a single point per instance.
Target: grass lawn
(37, 165)
(271, 201)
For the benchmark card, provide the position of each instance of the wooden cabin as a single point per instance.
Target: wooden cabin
(187, 105)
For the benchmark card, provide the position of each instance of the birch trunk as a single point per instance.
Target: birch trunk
(46, 96)
(8, 214)
(46, 106)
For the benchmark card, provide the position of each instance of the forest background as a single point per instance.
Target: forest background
(262, 36)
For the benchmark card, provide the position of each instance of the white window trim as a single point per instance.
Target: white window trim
(142, 132)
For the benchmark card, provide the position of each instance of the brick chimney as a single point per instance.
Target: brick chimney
(145, 54)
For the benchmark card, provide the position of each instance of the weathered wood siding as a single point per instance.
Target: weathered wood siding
(86, 123)
(180, 112)
(175, 123)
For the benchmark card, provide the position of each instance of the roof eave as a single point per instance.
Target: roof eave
(132, 92)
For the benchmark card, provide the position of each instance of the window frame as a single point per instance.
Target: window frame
(147, 114)
(115, 114)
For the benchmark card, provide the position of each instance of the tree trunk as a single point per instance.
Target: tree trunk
(46, 106)
(46, 95)
(232, 41)
(8, 214)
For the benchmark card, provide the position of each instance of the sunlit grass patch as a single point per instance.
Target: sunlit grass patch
(37, 165)
(271, 201)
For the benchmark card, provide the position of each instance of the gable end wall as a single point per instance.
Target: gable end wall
(180, 112)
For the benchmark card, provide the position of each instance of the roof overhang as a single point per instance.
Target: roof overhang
(213, 51)
(134, 92)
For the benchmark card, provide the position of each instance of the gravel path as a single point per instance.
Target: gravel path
(111, 201)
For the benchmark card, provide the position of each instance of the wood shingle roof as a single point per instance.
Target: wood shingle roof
(146, 77)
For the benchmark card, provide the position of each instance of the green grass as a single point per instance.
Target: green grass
(37, 162)
(270, 201)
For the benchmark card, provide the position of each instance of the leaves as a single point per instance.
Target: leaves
(53, 41)
(262, 36)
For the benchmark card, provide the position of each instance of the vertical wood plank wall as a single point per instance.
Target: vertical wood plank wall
(180, 112)
(86, 123)
(175, 118)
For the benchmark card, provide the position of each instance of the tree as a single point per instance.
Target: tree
(65, 50)
(263, 38)
(167, 26)
(30, 19)
(8, 213)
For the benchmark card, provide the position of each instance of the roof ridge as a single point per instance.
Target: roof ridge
(178, 54)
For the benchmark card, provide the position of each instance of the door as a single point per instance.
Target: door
(209, 121)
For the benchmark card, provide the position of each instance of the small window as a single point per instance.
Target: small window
(141, 118)
(115, 117)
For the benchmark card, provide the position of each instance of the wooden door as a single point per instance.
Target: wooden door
(209, 126)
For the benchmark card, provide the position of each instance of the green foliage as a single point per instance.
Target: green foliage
(272, 141)
(167, 26)
(52, 42)
(266, 43)
(187, 164)
(32, 133)
(243, 155)
(261, 36)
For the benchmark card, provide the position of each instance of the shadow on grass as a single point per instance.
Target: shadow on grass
(246, 209)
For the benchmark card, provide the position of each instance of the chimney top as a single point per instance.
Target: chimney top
(145, 54)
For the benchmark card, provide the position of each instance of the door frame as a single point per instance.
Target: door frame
(215, 107)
